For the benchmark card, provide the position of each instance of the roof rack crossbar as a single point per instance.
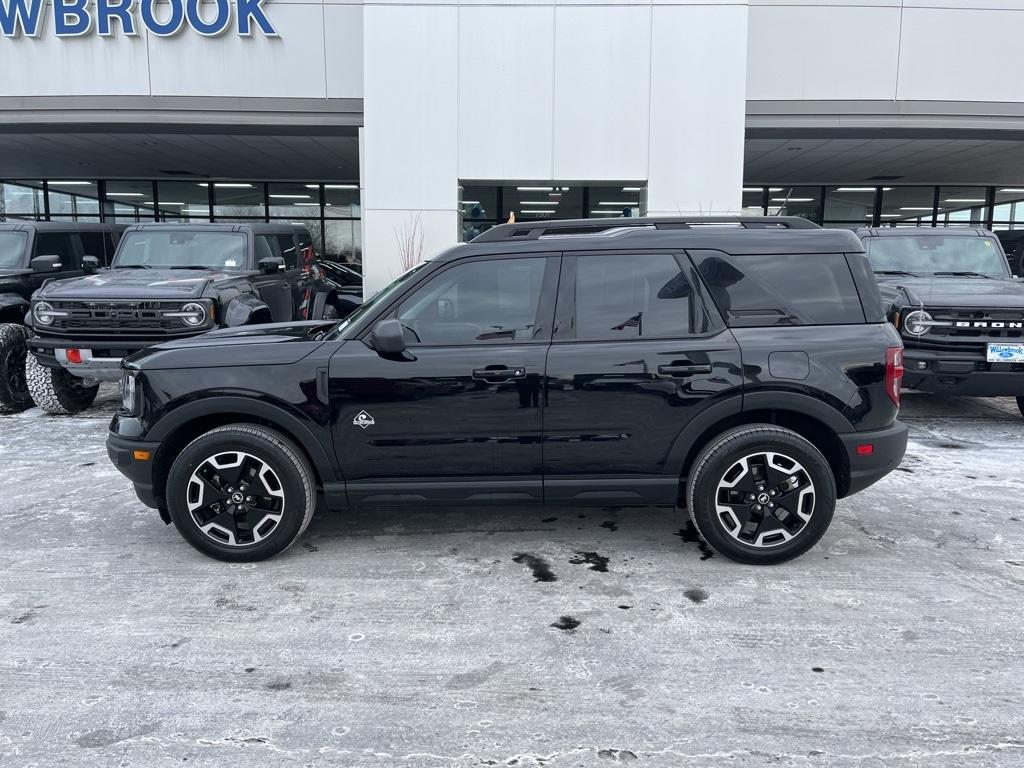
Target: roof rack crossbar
(532, 230)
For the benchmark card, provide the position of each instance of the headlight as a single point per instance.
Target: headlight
(917, 323)
(44, 313)
(129, 401)
(193, 314)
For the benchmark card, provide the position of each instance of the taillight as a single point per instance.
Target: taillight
(894, 373)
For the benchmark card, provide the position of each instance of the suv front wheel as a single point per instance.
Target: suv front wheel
(241, 493)
(761, 494)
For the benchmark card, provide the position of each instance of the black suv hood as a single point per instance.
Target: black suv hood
(136, 284)
(270, 344)
(953, 291)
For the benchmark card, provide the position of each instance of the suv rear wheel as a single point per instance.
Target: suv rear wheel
(241, 493)
(57, 391)
(761, 494)
(14, 396)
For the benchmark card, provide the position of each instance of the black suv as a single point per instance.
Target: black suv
(169, 281)
(31, 253)
(742, 367)
(961, 313)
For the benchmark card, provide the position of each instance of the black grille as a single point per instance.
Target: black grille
(131, 318)
(978, 326)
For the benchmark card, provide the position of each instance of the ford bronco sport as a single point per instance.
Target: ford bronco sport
(169, 281)
(960, 311)
(32, 252)
(741, 367)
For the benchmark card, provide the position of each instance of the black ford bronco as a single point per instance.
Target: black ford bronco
(31, 253)
(961, 313)
(170, 281)
(740, 367)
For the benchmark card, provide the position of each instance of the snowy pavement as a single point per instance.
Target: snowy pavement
(423, 638)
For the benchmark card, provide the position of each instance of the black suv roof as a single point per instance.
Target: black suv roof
(737, 235)
(923, 232)
(58, 226)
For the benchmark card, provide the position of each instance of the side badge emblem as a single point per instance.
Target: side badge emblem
(363, 420)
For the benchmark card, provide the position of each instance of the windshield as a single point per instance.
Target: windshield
(12, 250)
(377, 298)
(167, 250)
(931, 254)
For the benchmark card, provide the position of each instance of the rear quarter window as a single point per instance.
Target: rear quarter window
(781, 289)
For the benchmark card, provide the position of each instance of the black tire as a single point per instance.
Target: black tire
(14, 394)
(55, 390)
(330, 312)
(268, 524)
(740, 457)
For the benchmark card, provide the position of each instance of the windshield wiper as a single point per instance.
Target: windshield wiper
(895, 272)
(132, 266)
(965, 274)
(192, 266)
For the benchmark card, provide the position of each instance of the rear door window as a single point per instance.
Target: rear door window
(629, 296)
(781, 289)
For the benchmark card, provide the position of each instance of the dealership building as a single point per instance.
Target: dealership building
(395, 128)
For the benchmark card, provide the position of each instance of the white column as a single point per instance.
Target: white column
(698, 108)
(409, 169)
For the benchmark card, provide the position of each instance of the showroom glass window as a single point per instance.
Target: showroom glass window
(75, 200)
(479, 302)
(129, 202)
(238, 201)
(962, 206)
(850, 206)
(483, 206)
(804, 202)
(907, 207)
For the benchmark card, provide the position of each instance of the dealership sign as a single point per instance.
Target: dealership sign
(164, 18)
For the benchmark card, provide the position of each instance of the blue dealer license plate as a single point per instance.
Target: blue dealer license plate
(1005, 353)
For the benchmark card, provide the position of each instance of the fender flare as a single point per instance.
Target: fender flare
(794, 402)
(241, 309)
(273, 414)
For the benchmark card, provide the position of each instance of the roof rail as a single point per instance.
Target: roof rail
(532, 230)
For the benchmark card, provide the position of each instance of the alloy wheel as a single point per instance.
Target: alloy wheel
(236, 499)
(764, 499)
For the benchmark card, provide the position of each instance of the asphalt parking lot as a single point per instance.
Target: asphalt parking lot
(555, 636)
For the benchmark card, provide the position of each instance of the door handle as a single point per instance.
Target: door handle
(683, 370)
(500, 373)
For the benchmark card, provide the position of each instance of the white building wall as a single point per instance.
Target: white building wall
(581, 92)
(317, 54)
(906, 50)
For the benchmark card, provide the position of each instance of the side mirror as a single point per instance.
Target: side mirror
(90, 264)
(46, 263)
(388, 337)
(271, 265)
